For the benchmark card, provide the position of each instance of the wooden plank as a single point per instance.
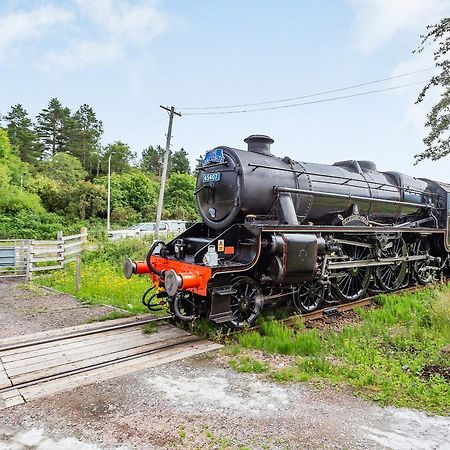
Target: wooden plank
(105, 357)
(67, 331)
(48, 242)
(10, 398)
(75, 236)
(95, 349)
(78, 354)
(112, 371)
(47, 258)
(40, 268)
(67, 345)
(46, 251)
(63, 332)
(55, 346)
(4, 379)
(72, 245)
(74, 251)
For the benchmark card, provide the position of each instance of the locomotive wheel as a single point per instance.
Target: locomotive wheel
(422, 271)
(391, 276)
(309, 297)
(353, 284)
(246, 303)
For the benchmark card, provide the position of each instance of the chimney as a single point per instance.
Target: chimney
(259, 143)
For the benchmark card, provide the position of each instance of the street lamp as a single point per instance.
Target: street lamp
(108, 212)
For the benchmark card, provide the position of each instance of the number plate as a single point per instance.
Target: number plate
(214, 176)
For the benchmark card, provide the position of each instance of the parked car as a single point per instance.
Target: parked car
(148, 228)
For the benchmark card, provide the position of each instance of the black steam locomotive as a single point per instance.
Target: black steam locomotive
(276, 230)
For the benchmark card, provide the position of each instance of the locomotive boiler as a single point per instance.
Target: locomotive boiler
(275, 230)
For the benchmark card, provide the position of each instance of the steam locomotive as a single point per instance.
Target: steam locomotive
(276, 230)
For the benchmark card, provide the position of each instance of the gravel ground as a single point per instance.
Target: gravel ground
(27, 308)
(199, 403)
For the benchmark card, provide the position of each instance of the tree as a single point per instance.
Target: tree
(132, 194)
(88, 200)
(180, 162)
(22, 135)
(152, 160)
(55, 127)
(438, 119)
(12, 169)
(199, 162)
(87, 131)
(180, 198)
(64, 168)
(121, 159)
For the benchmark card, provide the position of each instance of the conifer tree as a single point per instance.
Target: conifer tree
(22, 135)
(86, 132)
(180, 162)
(55, 128)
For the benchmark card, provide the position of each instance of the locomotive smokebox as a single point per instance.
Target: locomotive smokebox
(259, 143)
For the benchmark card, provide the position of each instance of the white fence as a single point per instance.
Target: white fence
(24, 257)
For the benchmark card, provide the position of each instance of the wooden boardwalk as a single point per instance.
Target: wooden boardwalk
(41, 364)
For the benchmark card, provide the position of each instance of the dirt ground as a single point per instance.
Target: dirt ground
(27, 308)
(195, 403)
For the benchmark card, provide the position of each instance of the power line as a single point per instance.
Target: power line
(120, 131)
(134, 119)
(324, 100)
(380, 80)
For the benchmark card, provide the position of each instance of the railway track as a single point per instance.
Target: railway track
(41, 364)
(334, 311)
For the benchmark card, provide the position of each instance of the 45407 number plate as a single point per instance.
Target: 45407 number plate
(214, 176)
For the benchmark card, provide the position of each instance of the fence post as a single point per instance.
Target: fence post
(29, 254)
(83, 232)
(60, 244)
(78, 271)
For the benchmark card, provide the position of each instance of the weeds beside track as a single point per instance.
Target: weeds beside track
(397, 353)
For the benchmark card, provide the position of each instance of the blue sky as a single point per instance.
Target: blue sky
(125, 57)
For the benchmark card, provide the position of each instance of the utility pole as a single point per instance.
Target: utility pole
(108, 212)
(171, 112)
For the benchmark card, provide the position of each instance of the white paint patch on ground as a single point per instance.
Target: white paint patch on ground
(403, 429)
(36, 439)
(216, 392)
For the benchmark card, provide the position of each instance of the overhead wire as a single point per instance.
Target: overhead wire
(316, 94)
(109, 132)
(323, 100)
(133, 120)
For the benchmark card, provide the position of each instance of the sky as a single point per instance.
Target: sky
(127, 57)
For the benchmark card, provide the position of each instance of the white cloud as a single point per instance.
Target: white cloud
(138, 23)
(115, 26)
(379, 21)
(18, 28)
(101, 32)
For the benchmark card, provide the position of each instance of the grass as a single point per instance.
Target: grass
(102, 280)
(383, 358)
(151, 327)
(110, 316)
(247, 364)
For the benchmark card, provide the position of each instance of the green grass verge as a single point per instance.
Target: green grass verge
(110, 316)
(102, 279)
(385, 357)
